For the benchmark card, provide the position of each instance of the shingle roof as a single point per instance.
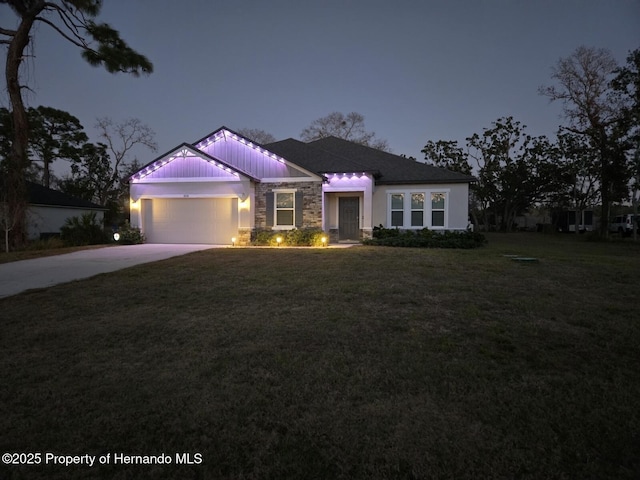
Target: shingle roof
(334, 155)
(39, 195)
(393, 169)
(315, 159)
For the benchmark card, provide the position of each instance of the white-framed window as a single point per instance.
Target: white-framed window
(397, 209)
(417, 209)
(438, 209)
(284, 203)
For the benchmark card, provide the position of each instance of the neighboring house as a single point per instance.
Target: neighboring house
(49, 209)
(224, 186)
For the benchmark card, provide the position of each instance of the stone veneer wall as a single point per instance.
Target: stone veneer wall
(311, 197)
(244, 237)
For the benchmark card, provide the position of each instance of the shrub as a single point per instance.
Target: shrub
(130, 235)
(425, 238)
(382, 232)
(305, 237)
(83, 230)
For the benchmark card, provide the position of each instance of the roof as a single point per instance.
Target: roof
(40, 195)
(315, 159)
(335, 155)
(159, 161)
(393, 169)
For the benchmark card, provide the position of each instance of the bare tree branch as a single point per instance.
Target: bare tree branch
(8, 33)
(63, 34)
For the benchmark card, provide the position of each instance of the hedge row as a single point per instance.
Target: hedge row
(306, 237)
(425, 238)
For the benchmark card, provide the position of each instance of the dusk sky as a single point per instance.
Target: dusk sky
(417, 70)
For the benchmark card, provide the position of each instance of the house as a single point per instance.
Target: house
(225, 186)
(48, 210)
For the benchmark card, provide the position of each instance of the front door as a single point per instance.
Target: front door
(349, 218)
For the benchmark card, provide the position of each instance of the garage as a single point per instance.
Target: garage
(190, 220)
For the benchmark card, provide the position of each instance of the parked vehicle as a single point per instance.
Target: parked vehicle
(623, 224)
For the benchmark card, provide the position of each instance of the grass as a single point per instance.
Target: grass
(35, 252)
(367, 362)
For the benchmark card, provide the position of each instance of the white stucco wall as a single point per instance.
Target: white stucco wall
(456, 204)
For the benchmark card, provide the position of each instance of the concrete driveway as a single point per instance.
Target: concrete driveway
(16, 277)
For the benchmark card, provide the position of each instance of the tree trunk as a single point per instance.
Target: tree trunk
(18, 161)
(46, 174)
(605, 186)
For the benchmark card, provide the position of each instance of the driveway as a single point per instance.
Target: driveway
(16, 277)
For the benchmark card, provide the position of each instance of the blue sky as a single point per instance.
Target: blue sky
(417, 70)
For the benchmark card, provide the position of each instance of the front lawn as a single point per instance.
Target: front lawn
(366, 362)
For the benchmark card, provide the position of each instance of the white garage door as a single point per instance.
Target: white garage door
(190, 220)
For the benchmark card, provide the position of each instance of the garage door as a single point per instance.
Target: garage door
(190, 220)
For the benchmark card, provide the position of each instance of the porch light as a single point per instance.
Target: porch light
(279, 240)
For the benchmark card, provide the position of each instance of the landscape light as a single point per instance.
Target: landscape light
(116, 236)
(233, 241)
(324, 241)
(279, 240)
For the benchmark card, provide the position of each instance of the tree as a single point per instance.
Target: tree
(101, 171)
(6, 134)
(627, 84)
(348, 127)
(8, 216)
(515, 170)
(256, 135)
(120, 139)
(55, 135)
(578, 175)
(447, 154)
(583, 86)
(100, 45)
(88, 172)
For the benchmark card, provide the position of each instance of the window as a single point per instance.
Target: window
(397, 209)
(437, 209)
(284, 209)
(417, 209)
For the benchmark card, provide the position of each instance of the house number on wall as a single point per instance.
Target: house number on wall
(186, 196)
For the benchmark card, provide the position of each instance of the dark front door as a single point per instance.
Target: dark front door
(349, 218)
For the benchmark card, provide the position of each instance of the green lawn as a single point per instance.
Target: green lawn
(367, 362)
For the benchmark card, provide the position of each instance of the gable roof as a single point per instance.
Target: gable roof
(393, 169)
(40, 195)
(174, 153)
(212, 141)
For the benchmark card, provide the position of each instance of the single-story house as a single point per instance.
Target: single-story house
(225, 186)
(48, 210)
